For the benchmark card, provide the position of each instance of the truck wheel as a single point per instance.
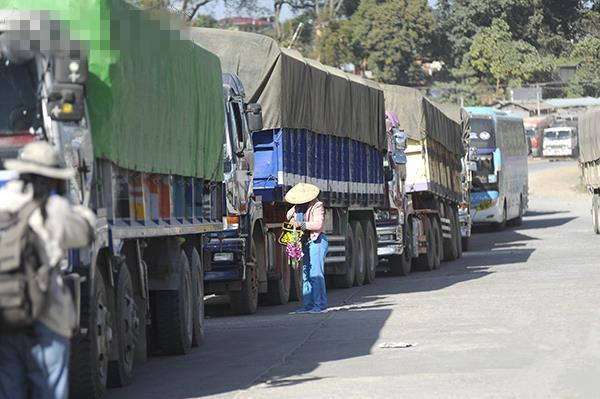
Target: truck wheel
(197, 273)
(90, 352)
(438, 240)
(450, 248)
(296, 283)
(278, 291)
(347, 279)
(595, 213)
(126, 327)
(426, 262)
(465, 243)
(401, 265)
(245, 301)
(174, 318)
(459, 249)
(370, 251)
(359, 253)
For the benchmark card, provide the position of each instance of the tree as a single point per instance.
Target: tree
(188, 9)
(496, 55)
(336, 45)
(392, 37)
(587, 78)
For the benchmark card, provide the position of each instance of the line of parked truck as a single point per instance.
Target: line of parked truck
(553, 138)
(185, 142)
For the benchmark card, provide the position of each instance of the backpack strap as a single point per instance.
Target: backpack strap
(12, 232)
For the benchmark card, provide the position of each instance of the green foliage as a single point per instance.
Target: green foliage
(335, 45)
(498, 57)
(393, 35)
(587, 78)
(205, 21)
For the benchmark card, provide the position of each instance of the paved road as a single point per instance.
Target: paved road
(518, 316)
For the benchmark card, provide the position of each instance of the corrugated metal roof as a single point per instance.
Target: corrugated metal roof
(573, 102)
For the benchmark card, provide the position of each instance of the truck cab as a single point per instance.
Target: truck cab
(559, 142)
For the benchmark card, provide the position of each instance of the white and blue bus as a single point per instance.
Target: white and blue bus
(500, 184)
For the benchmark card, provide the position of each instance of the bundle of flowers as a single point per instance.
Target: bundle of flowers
(294, 248)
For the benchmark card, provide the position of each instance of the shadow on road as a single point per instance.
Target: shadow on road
(276, 349)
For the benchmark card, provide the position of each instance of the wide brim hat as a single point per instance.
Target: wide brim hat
(302, 193)
(39, 158)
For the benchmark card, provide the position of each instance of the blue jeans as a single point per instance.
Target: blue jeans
(314, 288)
(34, 363)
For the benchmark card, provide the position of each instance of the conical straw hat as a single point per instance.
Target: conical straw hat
(302, 193)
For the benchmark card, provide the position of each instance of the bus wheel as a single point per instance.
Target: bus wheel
(502, 225)
(519, 219)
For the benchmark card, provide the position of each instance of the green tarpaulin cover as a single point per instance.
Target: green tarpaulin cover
(296, 92)
(155, 101)
(420, 118)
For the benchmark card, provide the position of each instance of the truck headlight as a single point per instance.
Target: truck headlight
(223, 257)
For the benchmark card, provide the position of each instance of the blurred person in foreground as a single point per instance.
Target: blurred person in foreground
(308, 214)
(37, 315)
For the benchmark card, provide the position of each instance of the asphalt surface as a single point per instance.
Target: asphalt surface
(517, 316)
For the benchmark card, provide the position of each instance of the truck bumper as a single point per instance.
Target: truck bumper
(389, 241)
(226, 252)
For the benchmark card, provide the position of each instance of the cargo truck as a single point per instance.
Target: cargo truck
(139, 113)
(321, 126)
(425, 188)
(589, 159)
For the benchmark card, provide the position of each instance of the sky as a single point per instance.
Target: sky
(218, 10)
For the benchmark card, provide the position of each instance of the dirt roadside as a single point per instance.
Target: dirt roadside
(557, 180)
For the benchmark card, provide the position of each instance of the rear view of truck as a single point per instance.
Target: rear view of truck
(434, 157)
(321, 126)
(589, 159)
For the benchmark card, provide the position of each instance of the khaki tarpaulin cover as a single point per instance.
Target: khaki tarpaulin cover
(589, 136)
(155, 101)
(296, 92)
(420, 118)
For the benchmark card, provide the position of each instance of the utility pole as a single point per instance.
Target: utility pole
(538, 95)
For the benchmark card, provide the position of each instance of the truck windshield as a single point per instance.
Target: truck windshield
(482, 133)
(557, 135)
(18, 104)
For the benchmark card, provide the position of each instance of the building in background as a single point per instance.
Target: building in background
(261, 25)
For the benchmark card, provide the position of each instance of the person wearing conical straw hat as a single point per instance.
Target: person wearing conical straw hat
(308, 214)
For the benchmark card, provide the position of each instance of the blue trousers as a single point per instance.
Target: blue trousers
(314, 288)
(34, 364)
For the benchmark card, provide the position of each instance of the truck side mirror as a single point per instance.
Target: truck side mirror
(254, 117)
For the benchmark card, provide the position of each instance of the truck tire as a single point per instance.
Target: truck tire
(245, 301)
(197, 273)
(174, 318)
(90, 352)
(465, 243)
(450, 247)
(596, 213)
(278, 291)
(459, 249)
(370, 251)
(401, 265)
(347, 279)
(296, 283)
(126, 326)
(439, 245)
(359, 253)
(426, 262)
